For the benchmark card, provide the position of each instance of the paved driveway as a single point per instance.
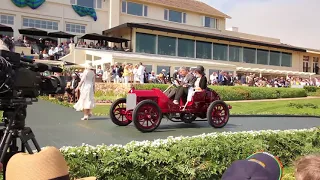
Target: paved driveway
(61, 126)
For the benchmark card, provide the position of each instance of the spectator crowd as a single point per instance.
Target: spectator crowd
(129, 73)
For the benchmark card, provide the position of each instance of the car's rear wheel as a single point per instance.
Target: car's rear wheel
(218, 114)
(118, 113)
(147, 116)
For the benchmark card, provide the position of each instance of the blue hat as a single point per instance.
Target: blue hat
(259, 166)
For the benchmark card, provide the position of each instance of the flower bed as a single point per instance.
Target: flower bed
(199, 157)
(227, 93)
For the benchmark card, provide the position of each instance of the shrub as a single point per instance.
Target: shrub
(199, 157)
(234, 93)
(311, 88)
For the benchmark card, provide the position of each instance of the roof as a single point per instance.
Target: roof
(190, 5)
(202, 34)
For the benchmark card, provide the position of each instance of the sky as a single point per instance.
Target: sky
(295, 22)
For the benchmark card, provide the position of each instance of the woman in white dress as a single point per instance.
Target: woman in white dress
(86, 87)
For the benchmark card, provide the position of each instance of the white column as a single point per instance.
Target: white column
(114, 13)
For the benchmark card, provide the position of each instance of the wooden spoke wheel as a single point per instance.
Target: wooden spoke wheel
(147, 116)
(118, 113)
(218, 114)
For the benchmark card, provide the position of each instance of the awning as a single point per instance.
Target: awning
(5, 28)
(95, 36)
(274, 71)
(61, 34)
(33, 32)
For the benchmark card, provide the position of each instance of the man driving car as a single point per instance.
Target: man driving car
(186, 80)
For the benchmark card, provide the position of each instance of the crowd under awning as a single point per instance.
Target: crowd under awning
(273, 71)
(99, 37)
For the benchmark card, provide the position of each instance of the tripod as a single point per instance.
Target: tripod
(14, 129)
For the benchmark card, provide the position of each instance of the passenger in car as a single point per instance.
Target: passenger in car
(201, 82)
(187, 81)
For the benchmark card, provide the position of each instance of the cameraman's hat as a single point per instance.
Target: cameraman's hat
(260, 165)
(48, 164)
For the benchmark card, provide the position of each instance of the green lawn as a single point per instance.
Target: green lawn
(288, 173)
(283, 107)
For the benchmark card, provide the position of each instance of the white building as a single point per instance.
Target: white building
(163, 34)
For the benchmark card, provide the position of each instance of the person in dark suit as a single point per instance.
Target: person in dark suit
(201, 82)
(71, 89)
(187, 80)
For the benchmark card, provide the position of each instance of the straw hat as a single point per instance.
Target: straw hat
(49, 163)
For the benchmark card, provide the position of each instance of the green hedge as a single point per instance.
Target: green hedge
(311, 88)
(199, 157)
(234, 93)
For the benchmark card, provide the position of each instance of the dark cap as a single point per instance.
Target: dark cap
(259, 166)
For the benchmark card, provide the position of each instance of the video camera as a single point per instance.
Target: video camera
(21, 77)
(20, 84)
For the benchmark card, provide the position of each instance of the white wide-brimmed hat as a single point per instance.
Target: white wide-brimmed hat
(87, 65)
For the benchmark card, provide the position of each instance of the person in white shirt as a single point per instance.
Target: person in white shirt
(152, 77)
(141, 73)
(58, 50)
(135, 74)
(51, 53)
(213, 78)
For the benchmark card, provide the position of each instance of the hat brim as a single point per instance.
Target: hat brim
(87, 178)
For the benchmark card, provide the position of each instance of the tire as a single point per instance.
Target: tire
(187, 117)
(120, 118)
(150, 112)
(218, 114)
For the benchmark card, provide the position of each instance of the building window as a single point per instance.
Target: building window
(36, 23)
(306, 67)
(148, 68)
(235, 53)
(6, 19)
(88, 3)
(249, 55)
(203, 50)
(160, 68)
(286, 59)
(186, 48)
(262, 56)
(167, 45)
(210, 22)
(145, 43)
(175, 16)
(75, 28)
(275, 58)
(134, 8)
(316, 65)
(220, 52)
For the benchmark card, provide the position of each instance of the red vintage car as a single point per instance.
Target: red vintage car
(146, 108)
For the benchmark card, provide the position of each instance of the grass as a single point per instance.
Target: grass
(288, 173)
(284, 107)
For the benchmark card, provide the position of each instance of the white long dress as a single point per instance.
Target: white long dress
(86, 99)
